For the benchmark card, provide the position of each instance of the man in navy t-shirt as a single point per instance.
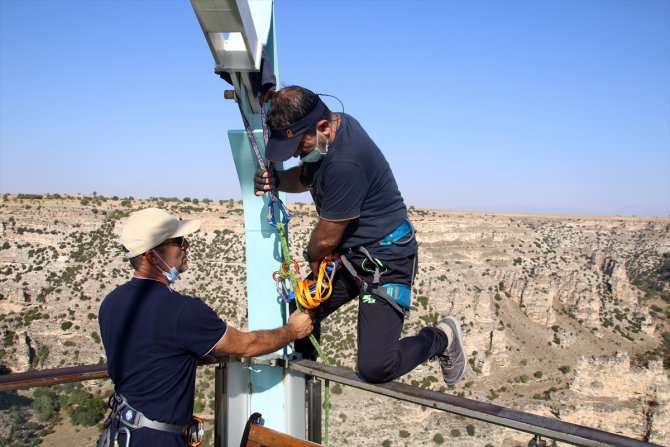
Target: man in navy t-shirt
(362, 216)
(154, 335)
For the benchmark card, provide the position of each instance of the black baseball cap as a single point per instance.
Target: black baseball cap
(284, 141)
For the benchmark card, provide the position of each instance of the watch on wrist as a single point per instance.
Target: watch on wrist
(305, 255)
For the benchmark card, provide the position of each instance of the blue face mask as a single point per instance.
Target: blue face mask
(313, 156)
(317, 154)
(172, 274)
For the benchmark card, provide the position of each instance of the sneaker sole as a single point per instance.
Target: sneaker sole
(459, 334)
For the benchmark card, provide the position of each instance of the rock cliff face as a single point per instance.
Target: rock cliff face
(552, 321)
(638, 397)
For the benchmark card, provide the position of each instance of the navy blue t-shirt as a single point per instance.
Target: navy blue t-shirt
(354, 180)
(153, 337)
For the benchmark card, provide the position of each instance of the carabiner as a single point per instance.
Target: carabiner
(116, 436)
(284, 214)
(195, 433)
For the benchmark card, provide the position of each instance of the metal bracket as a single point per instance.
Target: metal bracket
(281, 361)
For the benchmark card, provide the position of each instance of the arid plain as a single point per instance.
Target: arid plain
(563, 316)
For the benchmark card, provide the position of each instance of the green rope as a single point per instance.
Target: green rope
(281, 229)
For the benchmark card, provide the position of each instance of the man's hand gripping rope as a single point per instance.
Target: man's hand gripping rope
(300, 289)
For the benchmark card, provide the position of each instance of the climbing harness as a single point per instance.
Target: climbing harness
(127, 419)
(396, 294)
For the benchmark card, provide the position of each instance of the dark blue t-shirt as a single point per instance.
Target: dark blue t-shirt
(153, 337)
(354, 180)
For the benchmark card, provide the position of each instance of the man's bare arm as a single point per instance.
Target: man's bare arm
(250, 344)
(325, 238)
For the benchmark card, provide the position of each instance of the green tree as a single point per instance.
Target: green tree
(83, 407)
(46, 405)
(88, 415)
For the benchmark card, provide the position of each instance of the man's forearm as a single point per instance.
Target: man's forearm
(289, 180)
(325, 238)
(250, 344)
(267, 341)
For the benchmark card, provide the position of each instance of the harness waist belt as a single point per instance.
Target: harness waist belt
(400, 232)
(134, 419)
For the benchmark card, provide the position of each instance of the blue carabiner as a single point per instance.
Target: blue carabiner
(271, 214)
(285, 216)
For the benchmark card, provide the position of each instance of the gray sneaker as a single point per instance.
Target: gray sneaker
(454, 359)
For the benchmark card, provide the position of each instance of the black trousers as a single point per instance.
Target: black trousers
(382, 355)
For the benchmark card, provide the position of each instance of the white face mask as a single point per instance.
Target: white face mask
(317, 154)
(172, 274)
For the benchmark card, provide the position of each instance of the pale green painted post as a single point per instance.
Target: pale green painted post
(263, 251)
(279, 398)
(258, 387)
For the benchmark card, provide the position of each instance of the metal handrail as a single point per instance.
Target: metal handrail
(55, 376)
(58, 376)
(494, 414)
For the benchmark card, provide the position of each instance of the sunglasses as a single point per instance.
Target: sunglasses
(181, 240)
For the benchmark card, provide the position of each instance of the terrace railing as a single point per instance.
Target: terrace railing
(537, 426)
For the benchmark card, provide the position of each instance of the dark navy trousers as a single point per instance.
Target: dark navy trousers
(382, 355)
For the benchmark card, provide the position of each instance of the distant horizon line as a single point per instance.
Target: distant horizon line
(207, 200)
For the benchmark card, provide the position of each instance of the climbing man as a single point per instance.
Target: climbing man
(362, 217)
(154, 336)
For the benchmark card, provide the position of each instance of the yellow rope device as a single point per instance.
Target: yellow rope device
(309, 293)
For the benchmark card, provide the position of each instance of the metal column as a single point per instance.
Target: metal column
(237, 31)
(314, 410)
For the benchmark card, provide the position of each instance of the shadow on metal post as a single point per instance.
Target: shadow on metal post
(314, 410)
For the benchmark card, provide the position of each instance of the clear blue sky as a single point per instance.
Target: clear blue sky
(520, 106)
